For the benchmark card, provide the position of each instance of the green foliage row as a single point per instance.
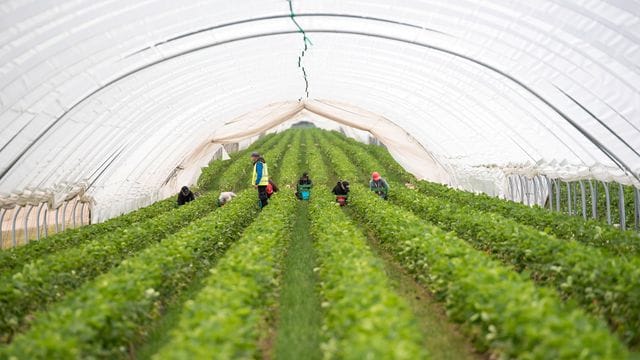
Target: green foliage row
(12, 259)
(48, 278)
(364, 318)
(104, 317)
(602, 283)
(224, 320)
(591, 232)
(501, 310)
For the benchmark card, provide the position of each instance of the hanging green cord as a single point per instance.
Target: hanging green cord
(307, 42)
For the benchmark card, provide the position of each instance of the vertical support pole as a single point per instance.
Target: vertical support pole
(583, 197)
(621, 209)
(2, 212)
(13, 229)
(558, 184)
(73, 212)
(57, 224)
(46, 221)
(550, 192)
(38, 220)
(82, 213)
(26, 224)
(64, 215)
(569, 200)
(594, 199)
(636, 202)
(535, 189)
(607, 201)
(522, 191)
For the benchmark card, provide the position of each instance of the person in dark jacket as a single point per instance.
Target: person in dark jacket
(341, 188)
(185, 196)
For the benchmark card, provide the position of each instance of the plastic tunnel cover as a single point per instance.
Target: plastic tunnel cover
(121, 102)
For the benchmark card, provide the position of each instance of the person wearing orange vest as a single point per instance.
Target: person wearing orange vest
(260, 178)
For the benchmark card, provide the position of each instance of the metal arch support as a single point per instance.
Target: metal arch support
(64, 215)
(608, 201)
(2, 212)
(594, 199)
(569, 200)
(38, 220)
(13, 228)
(26, 224)
(583, 197)
(621, 209)
(512, 191)
(73, 212)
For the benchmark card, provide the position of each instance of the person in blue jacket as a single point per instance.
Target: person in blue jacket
(260, 178)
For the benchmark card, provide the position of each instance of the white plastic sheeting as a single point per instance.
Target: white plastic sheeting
(120, 100)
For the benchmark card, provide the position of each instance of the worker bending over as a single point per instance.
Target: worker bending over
(379, 185)
(185, 196)
(225, 197)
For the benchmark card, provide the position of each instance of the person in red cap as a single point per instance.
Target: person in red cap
(379, 185)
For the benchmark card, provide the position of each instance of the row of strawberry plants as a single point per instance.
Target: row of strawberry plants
(13, 259)
(104, 317)
(591, 232)
(238, 175)
(364, 318)
(500, 309)
(49, 278)
(224, 320)
(602, 283)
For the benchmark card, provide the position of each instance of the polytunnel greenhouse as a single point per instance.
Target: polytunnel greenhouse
(409, 179)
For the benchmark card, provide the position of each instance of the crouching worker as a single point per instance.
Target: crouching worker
(303, 189)
(185, 196)
(379, 185)
(341, 191)
(225, 197)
